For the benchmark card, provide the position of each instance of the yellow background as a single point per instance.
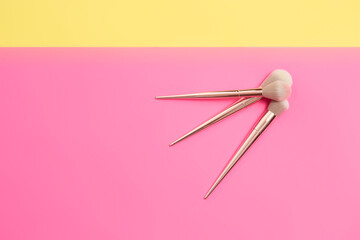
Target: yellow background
(179, 23)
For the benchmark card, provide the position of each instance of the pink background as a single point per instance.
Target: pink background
(84, 145)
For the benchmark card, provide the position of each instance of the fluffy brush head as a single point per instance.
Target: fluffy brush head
(278, 107)
(277, 91)
(278, 75)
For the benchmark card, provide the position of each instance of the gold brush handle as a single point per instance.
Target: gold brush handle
(233, 108)
(218, 94)
(259, 128)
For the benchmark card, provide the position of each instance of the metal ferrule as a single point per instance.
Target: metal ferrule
(250, 92)
(264, 121)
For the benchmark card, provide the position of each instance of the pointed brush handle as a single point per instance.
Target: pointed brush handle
(258, 130)
(233, 108)
(218, 94)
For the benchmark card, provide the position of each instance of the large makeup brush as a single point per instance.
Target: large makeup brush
(276, 90)
(274, 110)
(276, 75)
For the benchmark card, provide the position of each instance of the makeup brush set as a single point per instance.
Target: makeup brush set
(276, 87)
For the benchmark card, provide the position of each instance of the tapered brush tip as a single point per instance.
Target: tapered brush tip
(278, 91)
(208, 193)
(278, 75)
(278, 107)
(175, 142)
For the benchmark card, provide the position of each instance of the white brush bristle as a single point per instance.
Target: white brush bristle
(278, 107)
(278, 75)
(277, 91)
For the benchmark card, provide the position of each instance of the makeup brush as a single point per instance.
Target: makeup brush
(274, 110)
(276, 75)
(276, 90)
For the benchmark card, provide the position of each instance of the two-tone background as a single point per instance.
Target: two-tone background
(84, 145)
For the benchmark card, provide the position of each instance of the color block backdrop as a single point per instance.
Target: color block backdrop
(84, 145)
(191, 23)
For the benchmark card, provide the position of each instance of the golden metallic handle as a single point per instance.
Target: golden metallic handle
(238, 105)
(259, 128)
(218, 94)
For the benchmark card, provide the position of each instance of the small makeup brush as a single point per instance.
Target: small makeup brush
(276, 90)
(274, 110)
(276, 75)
